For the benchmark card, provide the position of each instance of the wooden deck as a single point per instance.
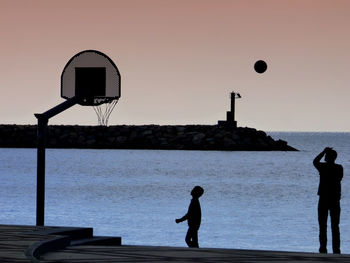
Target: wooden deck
(62, 244)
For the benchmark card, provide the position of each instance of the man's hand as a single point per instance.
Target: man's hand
(177, 221)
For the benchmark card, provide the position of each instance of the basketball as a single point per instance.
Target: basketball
(260, 66)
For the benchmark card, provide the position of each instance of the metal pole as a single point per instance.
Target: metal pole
(43, 119)
(41, 143)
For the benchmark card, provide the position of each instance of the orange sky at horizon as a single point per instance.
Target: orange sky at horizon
(179, 60)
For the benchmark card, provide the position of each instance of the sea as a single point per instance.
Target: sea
(253, 200)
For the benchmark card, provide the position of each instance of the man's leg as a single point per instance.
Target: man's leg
(335, 218)
(322, 221)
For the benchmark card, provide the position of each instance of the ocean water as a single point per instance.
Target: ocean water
(252, 200)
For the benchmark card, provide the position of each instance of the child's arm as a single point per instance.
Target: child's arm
(185, 217)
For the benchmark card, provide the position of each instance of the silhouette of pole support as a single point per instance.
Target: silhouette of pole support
(43, 120)
(40, 193)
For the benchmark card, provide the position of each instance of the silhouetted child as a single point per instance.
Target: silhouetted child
(193, 217)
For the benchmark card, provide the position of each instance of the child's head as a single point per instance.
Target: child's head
(197, 191)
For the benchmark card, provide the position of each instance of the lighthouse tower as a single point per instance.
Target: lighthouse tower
(230, 115)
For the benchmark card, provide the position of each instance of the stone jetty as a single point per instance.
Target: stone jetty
(162, 137)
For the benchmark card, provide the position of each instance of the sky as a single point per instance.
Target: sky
(180, 59)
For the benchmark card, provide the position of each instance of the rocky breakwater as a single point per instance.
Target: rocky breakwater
(166, 137)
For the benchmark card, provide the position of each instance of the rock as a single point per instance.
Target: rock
(197, 138)
(147, 132)
(90, 142)
(110, 139)
(121, 139)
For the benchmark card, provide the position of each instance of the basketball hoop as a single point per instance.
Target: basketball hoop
(94, 78)
(103, 111)
(90, 78)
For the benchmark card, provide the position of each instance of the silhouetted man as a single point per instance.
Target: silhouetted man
(329, 191)
(193, 217)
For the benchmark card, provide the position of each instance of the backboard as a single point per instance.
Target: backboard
(92, 77)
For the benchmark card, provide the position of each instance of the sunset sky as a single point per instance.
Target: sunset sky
(180, 59)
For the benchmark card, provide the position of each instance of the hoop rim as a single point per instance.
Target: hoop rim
(96, 101)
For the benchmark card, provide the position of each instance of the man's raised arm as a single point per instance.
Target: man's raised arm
(318, 158)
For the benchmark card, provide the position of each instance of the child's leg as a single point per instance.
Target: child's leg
(192, 237)
(195, 238)
(188, 238)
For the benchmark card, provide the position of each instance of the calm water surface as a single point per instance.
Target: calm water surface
(252, 200)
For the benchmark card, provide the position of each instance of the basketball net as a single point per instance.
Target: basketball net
(103, 111)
